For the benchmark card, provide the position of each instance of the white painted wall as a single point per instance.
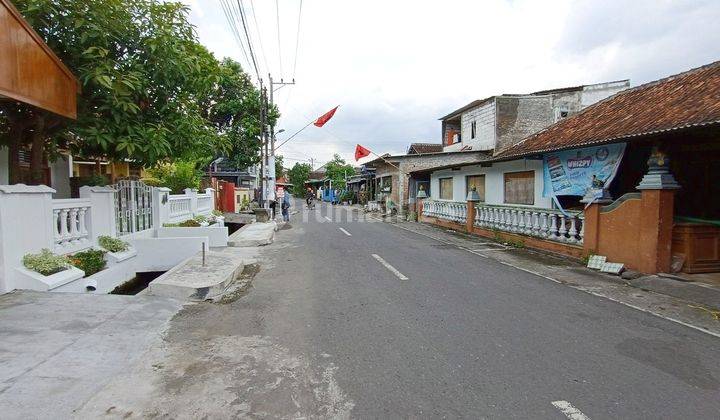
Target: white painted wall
(598, 92)
(494, 181)
(484, 117)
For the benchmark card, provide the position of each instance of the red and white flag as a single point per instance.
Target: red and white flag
(325, 117)
(361, 152)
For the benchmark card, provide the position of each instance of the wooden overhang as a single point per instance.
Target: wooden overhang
(30, 72)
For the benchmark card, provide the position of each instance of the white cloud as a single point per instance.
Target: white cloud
(396, 66)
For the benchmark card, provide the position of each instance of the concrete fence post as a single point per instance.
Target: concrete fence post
(102, 212)
(160, 196)
(470, 219)
(26, 226)
(192, 193)
(211, 192)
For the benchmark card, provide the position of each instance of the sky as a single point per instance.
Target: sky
(396, 66)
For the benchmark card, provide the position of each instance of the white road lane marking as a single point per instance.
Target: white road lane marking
(392, 269)
(328, 219)
(345, 231)
(570, 411)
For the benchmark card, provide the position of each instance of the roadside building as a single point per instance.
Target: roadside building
(472, 135)
(601, 153)
(31, 73)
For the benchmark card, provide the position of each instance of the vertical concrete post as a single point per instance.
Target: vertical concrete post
(472, 198)
(102, 213)
(160, 205)
(192, 193)
(211, 192)
(592, 228)
(26, 226)
(656, 223)
(470, 220)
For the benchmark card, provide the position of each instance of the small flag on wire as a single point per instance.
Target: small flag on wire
(361, 152)
(325, 117)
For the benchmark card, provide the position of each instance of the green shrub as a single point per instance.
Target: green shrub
(177, 176)
(217, 212)
(90, 261)
(97, 180)
(152, 182)
(113, 244)
(45, 262)
(189, 223)
(186, 223)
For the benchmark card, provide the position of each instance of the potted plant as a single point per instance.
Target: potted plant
(117, 249)
(47, 269)
(89, 261)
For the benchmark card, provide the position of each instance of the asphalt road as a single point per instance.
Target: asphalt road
(397, 325)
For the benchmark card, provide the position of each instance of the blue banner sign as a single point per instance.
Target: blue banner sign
(572, 172)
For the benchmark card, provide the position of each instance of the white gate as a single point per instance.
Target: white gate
(133, 206)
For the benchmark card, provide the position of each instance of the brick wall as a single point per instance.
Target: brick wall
(519, 117)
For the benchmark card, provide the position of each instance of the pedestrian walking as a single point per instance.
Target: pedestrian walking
(285, 205)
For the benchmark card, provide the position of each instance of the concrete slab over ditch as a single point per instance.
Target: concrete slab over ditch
(254, 234)
(60, 349)
(195, 281)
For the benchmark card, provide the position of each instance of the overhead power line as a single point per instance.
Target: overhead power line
(297, 40)
(247, 36)
(259, 38)
(277, 16)
(229, 13)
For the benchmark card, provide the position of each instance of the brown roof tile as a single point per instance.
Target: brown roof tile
(422, 148)
(685, 100)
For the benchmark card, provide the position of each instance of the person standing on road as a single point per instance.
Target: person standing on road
(286, 204)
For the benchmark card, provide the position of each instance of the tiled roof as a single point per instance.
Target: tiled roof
(422, 148)
(685, 100)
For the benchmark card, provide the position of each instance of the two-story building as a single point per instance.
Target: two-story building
(492, 125)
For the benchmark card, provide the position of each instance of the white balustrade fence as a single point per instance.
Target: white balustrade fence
(71, 224)
(205, 204)
(453, 211)
(542, 223)
(180, 208)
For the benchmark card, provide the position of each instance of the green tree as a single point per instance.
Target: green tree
(234, 108)
(143, 76)
(279, 169)
(298, 174)
(177, 176)
(337, 169)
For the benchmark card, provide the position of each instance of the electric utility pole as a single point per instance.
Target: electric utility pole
(280, 84)
(263, 148)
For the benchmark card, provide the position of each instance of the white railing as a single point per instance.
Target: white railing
(204, 204)
(542, 223)
(179, 208)
(453, 211)
(71, 222)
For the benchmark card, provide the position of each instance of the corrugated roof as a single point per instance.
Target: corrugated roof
(422, 148)
(685, 100)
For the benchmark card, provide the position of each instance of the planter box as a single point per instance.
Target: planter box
(28, 279)
(217, 235)
(117, 257)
